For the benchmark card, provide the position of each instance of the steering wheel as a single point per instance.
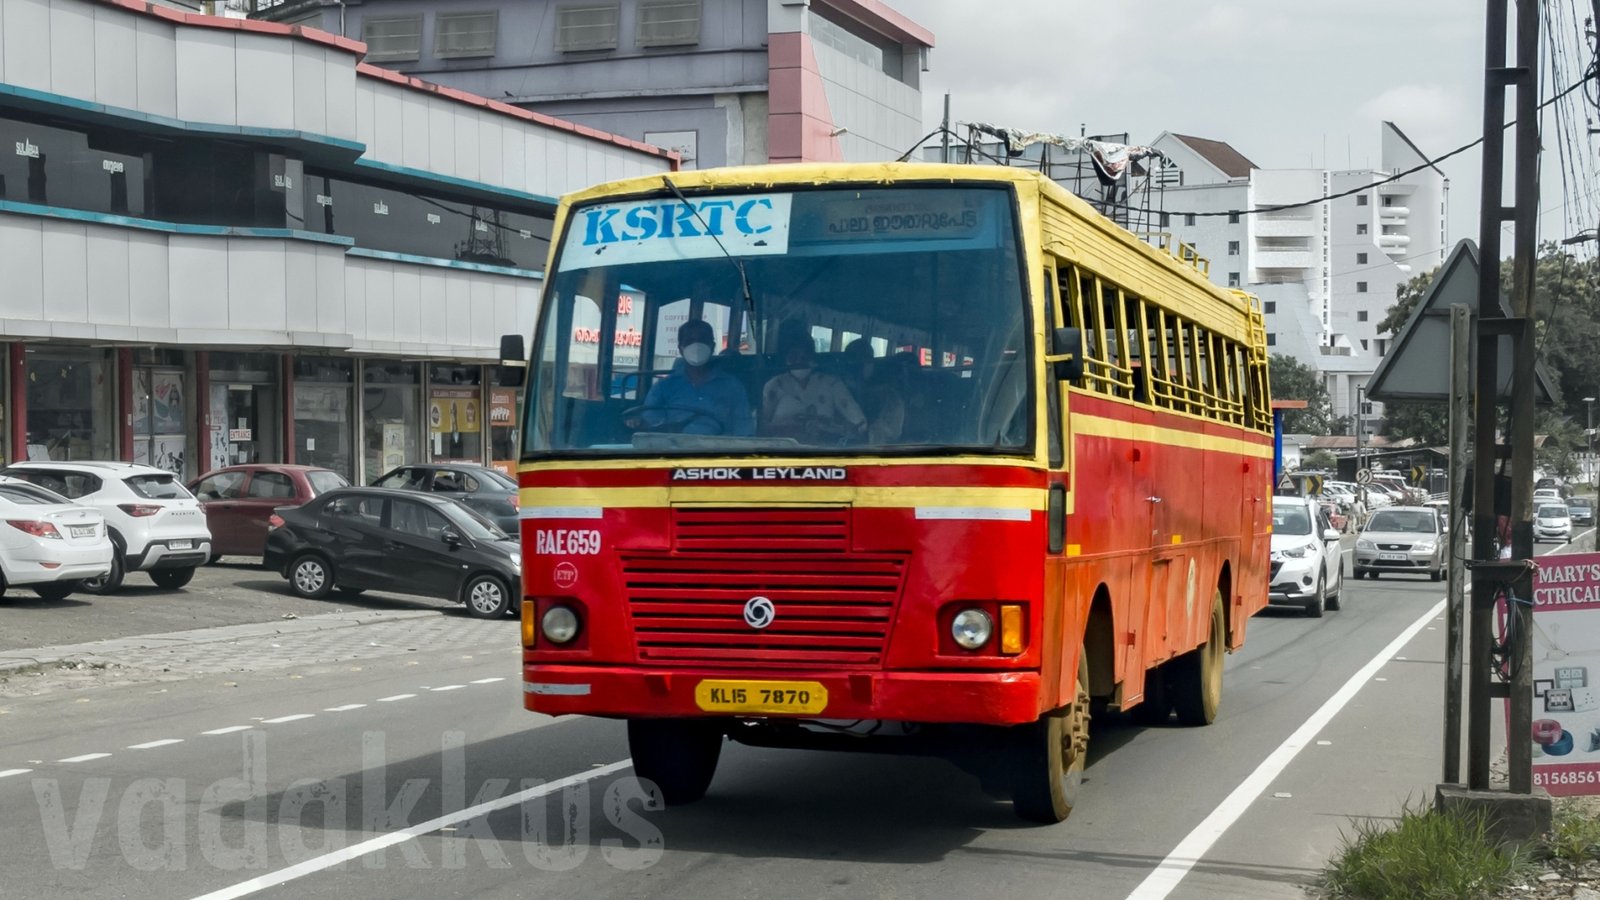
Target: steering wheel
(632, 417)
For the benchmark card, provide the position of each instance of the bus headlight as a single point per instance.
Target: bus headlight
(971, 628)
(559, 624)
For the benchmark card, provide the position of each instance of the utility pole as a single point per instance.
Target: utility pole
(1493, 579)
(944, 129)
(1455, 609)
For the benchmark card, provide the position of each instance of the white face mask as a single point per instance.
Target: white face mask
(697, 354)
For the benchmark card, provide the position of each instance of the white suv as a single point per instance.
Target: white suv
(156, 525)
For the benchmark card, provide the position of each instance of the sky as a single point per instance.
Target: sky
(1289, 83)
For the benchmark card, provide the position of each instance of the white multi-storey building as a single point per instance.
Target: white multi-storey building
(1326, 272)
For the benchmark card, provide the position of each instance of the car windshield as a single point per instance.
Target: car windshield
(322, 482)
(158, 487)
(1402, 520)
(1581, 504)
(498, 479)
(472, 524)
(1290, 519)
(1552, 512)
(30, 495)
(882, 318)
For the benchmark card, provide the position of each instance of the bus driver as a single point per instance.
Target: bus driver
(695, 398)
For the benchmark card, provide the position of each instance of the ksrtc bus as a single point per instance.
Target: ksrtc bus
(889, 456)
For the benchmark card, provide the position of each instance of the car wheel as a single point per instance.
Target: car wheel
(1338, 588)
(1319, 600)
(172, 579)
(59, 590)
(486, 597)
(310, 577)
(109, 582)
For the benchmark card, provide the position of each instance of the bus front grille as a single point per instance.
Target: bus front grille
(807, 530)
(827, 610)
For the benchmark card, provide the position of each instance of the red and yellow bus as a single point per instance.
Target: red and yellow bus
(964, 461)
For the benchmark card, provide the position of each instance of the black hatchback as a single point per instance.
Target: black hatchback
(360, 539)
(490, 492)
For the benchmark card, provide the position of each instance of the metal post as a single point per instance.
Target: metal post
(1525, 246)
(1490, 215)
(944, 131)
(1455, 617)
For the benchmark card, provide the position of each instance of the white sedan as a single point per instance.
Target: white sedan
(47, 542)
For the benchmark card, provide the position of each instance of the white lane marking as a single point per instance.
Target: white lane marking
(84, 758)
(395, 697)
(281, 719)
(151, 745)
(346, 708)
(448, 687)
(229, 730)
(1161, 882)
(346, 854)
(488, 680)
(7, 773)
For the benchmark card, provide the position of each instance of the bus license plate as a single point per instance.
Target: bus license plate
(795, 697)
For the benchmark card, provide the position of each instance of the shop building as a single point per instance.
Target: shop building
(228, 241)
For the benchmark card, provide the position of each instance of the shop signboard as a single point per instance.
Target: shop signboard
(1566, 674)
(453, 410)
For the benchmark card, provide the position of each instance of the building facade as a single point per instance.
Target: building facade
(230, 241)
(722, 82)
(1326, 272)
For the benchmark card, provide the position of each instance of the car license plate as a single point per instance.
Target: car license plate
(1392, 557)
(805, 697)
(83, 531)
(180, 545)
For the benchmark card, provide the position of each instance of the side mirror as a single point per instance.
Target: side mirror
(1067, 346)
(513, 360)
(452, 539)
(1330, 534)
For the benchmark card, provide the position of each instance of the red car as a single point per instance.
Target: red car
(238, 500)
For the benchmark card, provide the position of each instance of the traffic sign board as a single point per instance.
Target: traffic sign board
(1313, 485)
(1363, 476)
(1417, 474)
(1286, 484)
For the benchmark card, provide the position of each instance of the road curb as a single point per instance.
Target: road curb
(32, 658)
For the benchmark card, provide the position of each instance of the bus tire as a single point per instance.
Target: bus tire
(1156, 707)
(678, 755)
(1194, 680)
(1048, 757)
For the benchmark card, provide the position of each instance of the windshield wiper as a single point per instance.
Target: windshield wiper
(744, 277)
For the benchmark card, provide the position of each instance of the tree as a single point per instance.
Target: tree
(1320, 459)
(1294, 380)
(1428, 421)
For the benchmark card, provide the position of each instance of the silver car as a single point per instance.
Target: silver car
(1403, 539)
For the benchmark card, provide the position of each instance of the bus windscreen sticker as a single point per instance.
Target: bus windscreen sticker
(656, 230)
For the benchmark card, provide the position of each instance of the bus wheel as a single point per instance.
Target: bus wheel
(1195, 679)
(678, 755)
(1048, 757)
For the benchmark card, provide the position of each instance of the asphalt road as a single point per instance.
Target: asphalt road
(1323, 721)
(234, 592)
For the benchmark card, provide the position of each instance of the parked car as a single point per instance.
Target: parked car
(491, 493)
(53, 544)
(239, 500)
(359, 539)
(1551, 522)
(1307, 562)
(1403, 539)
(1581, 510)
(155, 524)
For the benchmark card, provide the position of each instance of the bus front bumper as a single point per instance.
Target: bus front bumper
(986, 698)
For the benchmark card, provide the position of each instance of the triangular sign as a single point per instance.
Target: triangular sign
(1285, 484)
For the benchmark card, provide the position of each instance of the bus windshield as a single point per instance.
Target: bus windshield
(881, 319)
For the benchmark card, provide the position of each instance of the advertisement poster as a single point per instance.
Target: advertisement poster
(503, 407)
(453, 410)
(394, 445)
(1566, 674)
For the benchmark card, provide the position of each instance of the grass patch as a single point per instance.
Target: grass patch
(1426, 855)
(1574, 837)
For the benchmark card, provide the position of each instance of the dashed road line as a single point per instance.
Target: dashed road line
(447, 687)
(282, 719)
(488, 680)
(7, 773)
(346, 708)
(231, 729)
(84, 758)
(151, 745)
(395, 697)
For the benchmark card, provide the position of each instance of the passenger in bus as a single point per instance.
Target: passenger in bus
(803, 403)
(876, 391)
(695, 397)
